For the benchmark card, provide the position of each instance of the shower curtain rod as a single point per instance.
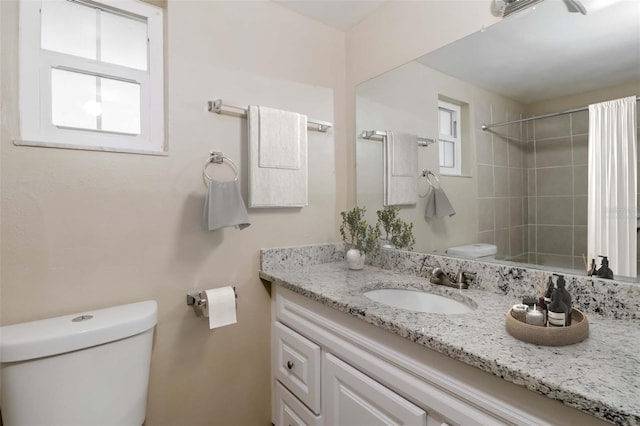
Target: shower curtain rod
(553, 114)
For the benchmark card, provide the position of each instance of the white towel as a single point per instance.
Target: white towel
(224, 206)
(400, 169)
(278, 175)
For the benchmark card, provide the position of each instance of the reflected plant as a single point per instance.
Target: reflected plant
(397, 231)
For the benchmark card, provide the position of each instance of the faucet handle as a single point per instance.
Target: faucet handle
(464, 276)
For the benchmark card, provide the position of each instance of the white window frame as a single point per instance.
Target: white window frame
(35, 64)
(456, 139)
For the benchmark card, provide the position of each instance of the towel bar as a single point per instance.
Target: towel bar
(218, 107)
(371, 134)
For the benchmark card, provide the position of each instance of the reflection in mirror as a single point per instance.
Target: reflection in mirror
(521, 187)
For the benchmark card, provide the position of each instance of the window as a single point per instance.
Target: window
(91, 75)
(449, 138)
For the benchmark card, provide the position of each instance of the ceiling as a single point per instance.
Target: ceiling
(547, 52)
(338, 14)
(544, 52)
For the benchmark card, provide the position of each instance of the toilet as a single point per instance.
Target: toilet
(478, 250)
(84, 369)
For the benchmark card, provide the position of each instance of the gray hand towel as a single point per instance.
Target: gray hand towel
(224, 206)
(438, 204)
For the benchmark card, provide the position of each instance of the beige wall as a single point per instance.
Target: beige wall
(85, 230)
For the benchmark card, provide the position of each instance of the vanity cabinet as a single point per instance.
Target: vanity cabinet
(350, 397)
(323, 374)
(330, 368)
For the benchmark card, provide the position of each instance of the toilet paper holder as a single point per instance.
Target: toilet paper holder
(196, 299)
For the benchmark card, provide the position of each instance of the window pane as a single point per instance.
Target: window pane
(120, 106)
(445, 121)
(447, 151)
(123, 41)
(73, 100)
(69, 28)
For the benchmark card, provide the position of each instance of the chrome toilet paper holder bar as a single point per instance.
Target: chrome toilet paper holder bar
(196, 299)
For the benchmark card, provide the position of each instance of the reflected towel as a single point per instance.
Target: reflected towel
(400, 169)
(438, 204)
(224, 206)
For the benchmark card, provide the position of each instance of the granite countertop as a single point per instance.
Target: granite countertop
(599, 376)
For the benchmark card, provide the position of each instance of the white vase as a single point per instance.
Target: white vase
(385, 243)
(355, 259)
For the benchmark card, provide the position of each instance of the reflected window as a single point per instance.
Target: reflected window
(449, 138)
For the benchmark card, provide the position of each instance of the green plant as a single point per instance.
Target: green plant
(397, 231)
(356, 232)
(387, 217)
(402, 236)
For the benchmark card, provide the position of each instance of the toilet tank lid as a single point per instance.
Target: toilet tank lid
(474, 250)
(36, 339)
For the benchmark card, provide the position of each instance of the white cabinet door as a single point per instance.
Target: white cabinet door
(353, 399)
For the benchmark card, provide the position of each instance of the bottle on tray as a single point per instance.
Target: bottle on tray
(557, 310)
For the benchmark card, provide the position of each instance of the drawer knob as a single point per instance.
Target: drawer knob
(290, 364)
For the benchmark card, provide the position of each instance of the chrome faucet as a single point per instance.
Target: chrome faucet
(439, 277)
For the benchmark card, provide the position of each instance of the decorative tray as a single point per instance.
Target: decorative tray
(550, 336)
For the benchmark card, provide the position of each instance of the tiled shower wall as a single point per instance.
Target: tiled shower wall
(557, 190)
(502, 203)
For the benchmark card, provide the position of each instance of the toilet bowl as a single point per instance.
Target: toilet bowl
(478, 250)
(84, 369)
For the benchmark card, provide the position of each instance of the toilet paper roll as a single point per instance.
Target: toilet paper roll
(220, 307)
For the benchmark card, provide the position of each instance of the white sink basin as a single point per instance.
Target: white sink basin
(419, 301)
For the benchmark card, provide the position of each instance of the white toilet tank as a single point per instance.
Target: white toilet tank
(474, 250)
(84, 369)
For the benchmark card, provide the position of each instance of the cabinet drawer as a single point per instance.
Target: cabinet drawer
(289, 411)
(297, 365)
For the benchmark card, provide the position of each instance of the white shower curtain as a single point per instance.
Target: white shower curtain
(613, 184)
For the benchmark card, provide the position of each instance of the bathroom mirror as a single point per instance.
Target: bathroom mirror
(522, 187)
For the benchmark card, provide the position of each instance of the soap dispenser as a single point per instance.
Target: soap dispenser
(604, 271)
(557, 310)
(565, 296)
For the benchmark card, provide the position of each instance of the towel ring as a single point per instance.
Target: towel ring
(218, 158)
(427, 175)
